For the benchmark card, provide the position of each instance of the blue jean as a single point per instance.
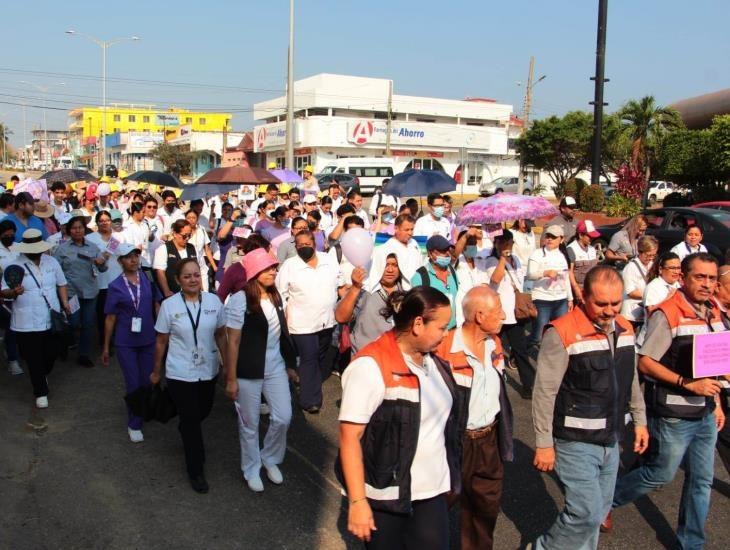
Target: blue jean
(83, 319)
(312, 350)
(673, 439)
(547, 310)
(588, 475)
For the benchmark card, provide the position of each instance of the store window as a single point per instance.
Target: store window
(145, 118)
(280, 161)
(201, 121)
(189, 120)
(132, 118)
(117, 118)
(425, 164)
(300, 162)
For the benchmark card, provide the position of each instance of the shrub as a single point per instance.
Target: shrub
(620, 207)
(571, 188)
(591, 198)
(630, 184)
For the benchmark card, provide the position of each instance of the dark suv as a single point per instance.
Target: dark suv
(346, 181)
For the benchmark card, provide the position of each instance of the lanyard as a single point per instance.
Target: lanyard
(195, 323)
(135, 301)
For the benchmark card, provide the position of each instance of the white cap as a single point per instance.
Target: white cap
(309, 199)
(126, 248)
(388, 200)
(103, 190)
(569, 201)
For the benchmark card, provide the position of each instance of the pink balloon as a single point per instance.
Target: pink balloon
(357, 246)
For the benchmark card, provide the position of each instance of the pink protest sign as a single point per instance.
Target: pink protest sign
(711, 354)
(112, 245)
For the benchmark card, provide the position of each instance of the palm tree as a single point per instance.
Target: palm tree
(645, 122)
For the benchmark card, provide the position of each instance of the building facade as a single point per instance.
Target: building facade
(49, 149)
(86, 124)
(340, 116)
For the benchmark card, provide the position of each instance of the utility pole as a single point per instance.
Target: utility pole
(25, 146)
(597, 102)
(389, 127)
(290, 93)
(526, 108)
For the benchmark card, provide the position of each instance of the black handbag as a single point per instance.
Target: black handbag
(59, 320)
(152, 403)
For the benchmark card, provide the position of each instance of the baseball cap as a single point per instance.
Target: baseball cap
(103, 190)
(568, 201)
(587, 227)
(125, 249)
(116, 214)
(437, 242)
(555, 230)
(309, 199)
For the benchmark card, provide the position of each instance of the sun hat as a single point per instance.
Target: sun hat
(587, 227)
(114, 188)
(256, 261)
(43, 210)
(125, 249)
(309, 199)
(104, 179)
(79, 214)
(554, 230)
(32, 243)
(437, 242)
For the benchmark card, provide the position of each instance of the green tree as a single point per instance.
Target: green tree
(176, 160)
(6, 152)
(558, 145)
(647, 125)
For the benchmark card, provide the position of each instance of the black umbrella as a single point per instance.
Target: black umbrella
(152, 403)
(419, 183)
(67, 175)
(156, 178)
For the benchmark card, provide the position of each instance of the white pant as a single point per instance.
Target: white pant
(275, 388)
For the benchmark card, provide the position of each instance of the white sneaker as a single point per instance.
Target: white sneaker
(41, 402)
(264, 409)
(274, 474)
(255, 484)
(135, 436)
(14, 368)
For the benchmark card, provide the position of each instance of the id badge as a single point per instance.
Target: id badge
(136, 324)
(198, 358)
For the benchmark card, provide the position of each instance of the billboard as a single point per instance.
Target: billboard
(167, 119)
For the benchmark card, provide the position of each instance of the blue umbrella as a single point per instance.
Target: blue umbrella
(419, 183)
(203, 190)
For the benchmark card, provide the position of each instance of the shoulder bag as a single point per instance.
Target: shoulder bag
(59, 320)
(525, 309)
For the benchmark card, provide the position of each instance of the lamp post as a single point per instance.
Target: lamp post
(103, 44)
(598, 103)
(44, 91)
(290, 94)
(526, 116)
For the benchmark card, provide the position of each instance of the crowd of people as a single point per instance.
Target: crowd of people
(263, 295)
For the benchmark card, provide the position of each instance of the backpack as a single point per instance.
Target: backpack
(426, 277)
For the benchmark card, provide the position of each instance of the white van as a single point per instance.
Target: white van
(370, 171)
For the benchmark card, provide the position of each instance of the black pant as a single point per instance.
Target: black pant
(312, 350)
(514, 338)
(723, 438)
(100, 317)
(39, 349)
(194, 401)
(427, 528)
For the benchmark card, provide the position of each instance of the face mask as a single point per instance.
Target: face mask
(438, 211)
(305, 253)
(269, 213)
(33, 257)
(286, 223)
(387, 218)
(7, 240)
(443, 261)
(312, 225)
(470, 251)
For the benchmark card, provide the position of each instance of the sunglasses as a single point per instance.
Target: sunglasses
(185, 236)
(153, 206)
(549, 236)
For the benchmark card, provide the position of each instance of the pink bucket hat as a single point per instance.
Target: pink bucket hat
(256, 261)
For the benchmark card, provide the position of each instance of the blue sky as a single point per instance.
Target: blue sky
(235, 51)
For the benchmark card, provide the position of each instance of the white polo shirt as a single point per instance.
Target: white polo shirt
(363, 391)
(160, 259)
(30, 312)
(310, 293)
(426, 226)
(513, 277)
(657, 291)
(634, 276)
(137, 234)
(173, 319)
(169, 219)
(683, 249)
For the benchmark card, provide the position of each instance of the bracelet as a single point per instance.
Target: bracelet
(679, 382)
(357, 500)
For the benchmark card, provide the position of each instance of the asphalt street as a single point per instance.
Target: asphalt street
(70, 478)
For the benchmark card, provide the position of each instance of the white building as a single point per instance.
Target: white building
(207, 147)
(345, 116)
(131, 150)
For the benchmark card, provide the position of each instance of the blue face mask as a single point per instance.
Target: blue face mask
(438, 211)
(443, 261)
(286, 223)
(387, 218)
(470, 251)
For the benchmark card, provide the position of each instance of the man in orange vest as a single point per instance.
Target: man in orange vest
(474, 353)
(585, 392)
(684, 411)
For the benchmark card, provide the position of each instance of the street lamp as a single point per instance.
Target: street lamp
(103, 44)
(44, 91)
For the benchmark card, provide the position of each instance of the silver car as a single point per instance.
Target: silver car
(507, 184)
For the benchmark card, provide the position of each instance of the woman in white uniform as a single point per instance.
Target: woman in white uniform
(259, 352)
(636, 276)
(691, 244)
(201, 241)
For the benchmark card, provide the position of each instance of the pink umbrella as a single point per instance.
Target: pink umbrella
(504, 207)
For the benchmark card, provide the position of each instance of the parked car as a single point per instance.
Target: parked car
(509, 184)
(346, 181)
(369, 171)
(668, 226)
(715, 205)
(111, 171)
(658, 190)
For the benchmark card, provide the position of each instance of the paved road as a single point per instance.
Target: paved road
(70, 478)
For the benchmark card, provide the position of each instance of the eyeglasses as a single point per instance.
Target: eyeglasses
(185, 236)
(153, 206)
